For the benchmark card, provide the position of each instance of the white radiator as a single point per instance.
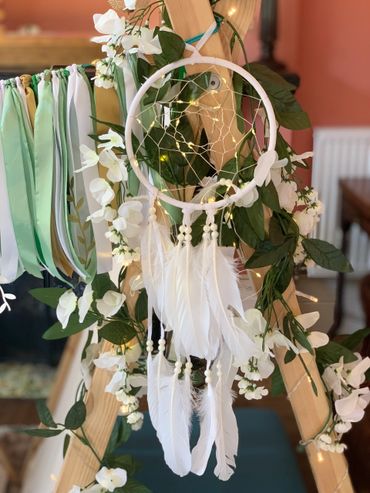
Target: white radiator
(340, 152)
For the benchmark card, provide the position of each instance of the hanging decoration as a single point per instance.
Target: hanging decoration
(197, 190)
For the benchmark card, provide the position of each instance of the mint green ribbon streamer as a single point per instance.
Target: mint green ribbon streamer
(18, 157)
(44, 170)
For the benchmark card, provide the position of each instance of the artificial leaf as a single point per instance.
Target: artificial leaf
(268, 254)
(289, 356)
(67, 439)
(44, 414)
(243, 227)
(141, 307)
(117, 332)
(332, 352)
(269, 196)
(42, 432)
(76, 416)
(256, 218)
(101, 284)
(172, 48)
(133, 486)
(326, 255)
(353, 341)
(48, 296)
(74, 326)
(277, 382)
(301, 337)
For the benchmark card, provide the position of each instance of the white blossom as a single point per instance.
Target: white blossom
(117, 170)
(287, 193)
(117, 381)
(132, 353)
(109, 24)
(66, 306)
(106, 213)
(129, 218)
(143, 41)
(110, 360)
(342, 427)
(111, 478)
(110, 140)
(249, 199)
(352, 407)
(84, 302)
(305, 221)
(91, 352)
(130, 404)
(130, 4)
(136, 420)
(110, 303)
(89, 158)
(101, 191)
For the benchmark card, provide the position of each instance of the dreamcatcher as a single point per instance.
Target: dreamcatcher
(191, 280)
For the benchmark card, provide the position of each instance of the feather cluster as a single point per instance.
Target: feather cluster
(194, 292)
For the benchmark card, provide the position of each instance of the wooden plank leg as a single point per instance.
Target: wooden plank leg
(311, 411)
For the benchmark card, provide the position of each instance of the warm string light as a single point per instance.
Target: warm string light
(307, 296)
(320, 457)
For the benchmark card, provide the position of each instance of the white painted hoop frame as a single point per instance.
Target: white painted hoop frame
(131, 119)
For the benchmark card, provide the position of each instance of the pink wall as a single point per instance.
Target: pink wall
(53, 15)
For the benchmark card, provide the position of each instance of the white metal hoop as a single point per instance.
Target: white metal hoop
(131, 119)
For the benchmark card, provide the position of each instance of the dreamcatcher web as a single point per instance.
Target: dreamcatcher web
(188, 127)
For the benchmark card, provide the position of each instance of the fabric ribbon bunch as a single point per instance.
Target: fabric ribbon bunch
(44, 203)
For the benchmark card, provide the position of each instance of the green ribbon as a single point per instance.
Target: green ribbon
(16, 137)
(44, 170)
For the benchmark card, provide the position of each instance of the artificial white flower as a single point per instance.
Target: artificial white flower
(352, 374)
(111, 478)
(249, 199)
(110, 140)
(130, 4)
(130, 404)
(75, 489)
(117, 381)
(84, 303)
(101, 191)
(110, 361)
(299, 158)
(136, 420)
(352, 407)
(106, 213)
(89, 158)
(356, 371)
(113, 236)
(251, 391)
(136, 380)
(142, 41)
(109, 24)
(267, 164)
(129, 218)
(117, 170)
(110, 303)
(104, 82)
(342, 427)
(305, 221)
(287, 193)
(125, 255)
(132, 353)
(316, 339)
(66, 306)
(91, 352)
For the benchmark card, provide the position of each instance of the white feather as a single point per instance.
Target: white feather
(155, 245)
(158, 370)
(187, 309)
(227, 428)
(224, 294)
(175, 409)
(207, 410)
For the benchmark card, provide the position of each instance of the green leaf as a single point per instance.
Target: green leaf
(281, 93)
(101, 284)
(76, 416)
(141, 307)
(120, 435)
(42, 432)
(48, 296)
(289, 356)
(332, 352)
(268, 254)
(117, 332)
(276, 234)
(353, 341)
(277, 382)
(172, 48)
(286, 267)
(301, 337)
(243, 227)
(126, 462)
(67, 439)
(44, 414)
(326, 255)
(269, 197)
(256, 219)
(56, 331)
